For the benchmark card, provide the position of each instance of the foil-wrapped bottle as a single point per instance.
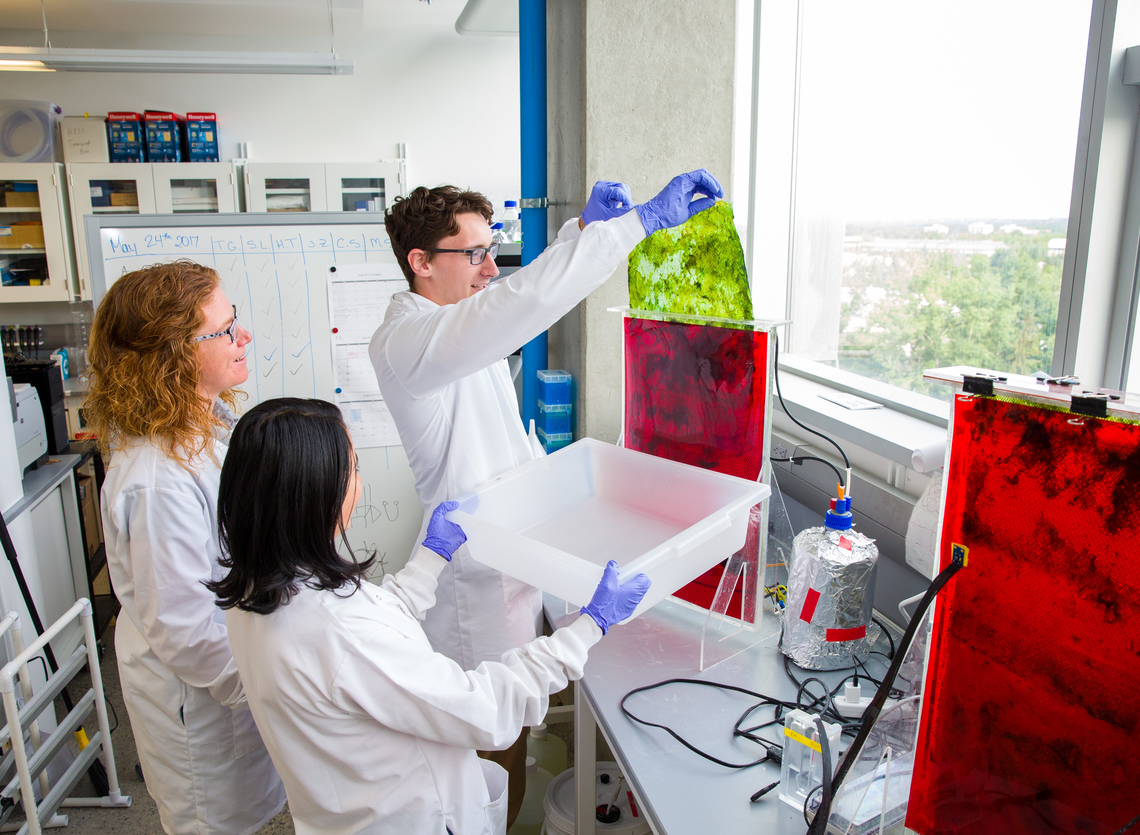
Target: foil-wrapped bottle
(831, 591)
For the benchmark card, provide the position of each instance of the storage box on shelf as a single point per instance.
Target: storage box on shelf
(36, 256)
(554, 419)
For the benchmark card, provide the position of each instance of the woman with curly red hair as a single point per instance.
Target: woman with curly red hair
(166, 353)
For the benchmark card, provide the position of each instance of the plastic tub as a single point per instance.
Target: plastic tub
(553, 386)
(556, 521)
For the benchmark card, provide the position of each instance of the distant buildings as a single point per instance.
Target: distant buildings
(1057, 246)
(1011, 228)
(937, 229)
(980, 228)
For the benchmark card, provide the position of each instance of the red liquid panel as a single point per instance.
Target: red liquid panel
(695, 394)
(1032, 717)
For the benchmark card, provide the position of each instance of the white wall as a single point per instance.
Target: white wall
(453, 100)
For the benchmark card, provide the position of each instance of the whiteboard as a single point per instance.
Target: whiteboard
(275, 270)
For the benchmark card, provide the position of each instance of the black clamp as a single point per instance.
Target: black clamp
(1092, 403)
(980, 383)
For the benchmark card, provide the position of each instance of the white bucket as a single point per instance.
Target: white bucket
(560, 804)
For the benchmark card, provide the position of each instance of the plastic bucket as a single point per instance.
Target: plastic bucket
(559, 804)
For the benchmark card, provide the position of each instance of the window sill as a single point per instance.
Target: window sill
(906, 422)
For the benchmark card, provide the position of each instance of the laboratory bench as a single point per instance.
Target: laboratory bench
(676, 790)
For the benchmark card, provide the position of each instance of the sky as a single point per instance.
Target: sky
(923, 110)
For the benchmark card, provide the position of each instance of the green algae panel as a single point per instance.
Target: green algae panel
(695, 268)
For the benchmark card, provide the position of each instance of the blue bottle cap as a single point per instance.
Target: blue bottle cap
(510, 203)
(839, 518)
(496, 226)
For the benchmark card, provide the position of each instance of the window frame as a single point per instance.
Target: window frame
(1104, 221)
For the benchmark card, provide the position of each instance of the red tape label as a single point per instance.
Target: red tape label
(845, 543)
(846, 634)
(810, 602)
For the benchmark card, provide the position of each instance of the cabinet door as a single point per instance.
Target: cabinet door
(285, 187)
(123, 188)
(35, 251)
(195, 187)
(363, 186)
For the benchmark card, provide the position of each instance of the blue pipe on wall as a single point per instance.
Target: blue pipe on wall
(532, 106)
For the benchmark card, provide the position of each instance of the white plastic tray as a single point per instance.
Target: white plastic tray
(556, 521)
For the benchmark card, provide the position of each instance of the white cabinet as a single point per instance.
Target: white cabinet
(36, 257)
(285, 187)
(195, 187)
(114, 188)
(322, 187)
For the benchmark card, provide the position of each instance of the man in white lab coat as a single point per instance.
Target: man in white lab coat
(440, 360)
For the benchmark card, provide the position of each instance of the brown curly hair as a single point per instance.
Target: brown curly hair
(427, 216)
(144, 366)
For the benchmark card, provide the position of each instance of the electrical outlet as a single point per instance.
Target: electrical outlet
(852, 703)
(780, 451)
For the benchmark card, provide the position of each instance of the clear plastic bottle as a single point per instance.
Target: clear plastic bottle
(548, 750)
(497, 234)
(512, 225)
(532, 814)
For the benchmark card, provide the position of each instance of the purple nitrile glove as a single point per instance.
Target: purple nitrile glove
(675, 204)
(611, 602)
(607, 201)
(444, 537)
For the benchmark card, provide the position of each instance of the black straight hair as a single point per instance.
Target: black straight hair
(283, 484)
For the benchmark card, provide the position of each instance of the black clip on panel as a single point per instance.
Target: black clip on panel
(980, 383)
(1091, 403)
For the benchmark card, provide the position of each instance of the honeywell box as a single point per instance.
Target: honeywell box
(202, 137)
(163, 136)
(125, 134)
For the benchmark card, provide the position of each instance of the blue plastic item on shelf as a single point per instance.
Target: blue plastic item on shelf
(554, 387)
(554, 418)
(555, 441)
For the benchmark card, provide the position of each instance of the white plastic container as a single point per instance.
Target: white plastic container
(533, 812)
(560, 804)
(802, 767)
(555, 522)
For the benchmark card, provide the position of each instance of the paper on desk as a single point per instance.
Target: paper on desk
(358, 299)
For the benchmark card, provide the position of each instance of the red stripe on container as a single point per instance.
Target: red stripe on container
(810, 602)
(846, 634)
(632, 805)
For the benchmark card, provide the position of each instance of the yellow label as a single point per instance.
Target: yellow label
(962, 551)
(815, 746)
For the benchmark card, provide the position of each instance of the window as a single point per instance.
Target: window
(913, 181)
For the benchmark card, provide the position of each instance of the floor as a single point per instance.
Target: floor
(142, 816)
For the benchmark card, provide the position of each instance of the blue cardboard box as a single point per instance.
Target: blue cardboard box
(125, 137)
(163, 136)
(202, 137)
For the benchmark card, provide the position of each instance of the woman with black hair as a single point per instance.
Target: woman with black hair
(369, 728)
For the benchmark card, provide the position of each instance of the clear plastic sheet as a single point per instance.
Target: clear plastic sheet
(831, 589)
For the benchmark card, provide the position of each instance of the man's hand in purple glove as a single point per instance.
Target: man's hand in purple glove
(444, 537)
(607, 201)
(612, 602)
(675, 204)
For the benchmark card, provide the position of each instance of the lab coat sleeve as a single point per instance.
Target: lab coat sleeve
(414, 584)
(406, 687)
(429, 349)
(169, 542)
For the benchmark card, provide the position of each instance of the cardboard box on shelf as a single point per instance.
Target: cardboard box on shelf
(21, 234)
(126, 137)
(22, 199)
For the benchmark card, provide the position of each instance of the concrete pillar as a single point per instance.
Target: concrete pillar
(637, 92)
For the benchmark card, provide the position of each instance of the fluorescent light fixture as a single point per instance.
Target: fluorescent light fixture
(27, 59)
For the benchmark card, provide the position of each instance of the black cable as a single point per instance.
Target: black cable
(776, 351)
(768, 755)
(799, 459)
(825, 752)
(871, 714)
(1128, 826)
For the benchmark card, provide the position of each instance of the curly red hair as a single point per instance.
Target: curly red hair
(144, 366)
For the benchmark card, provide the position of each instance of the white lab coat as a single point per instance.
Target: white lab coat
(202, 757)
(445, 380)
(374, 732)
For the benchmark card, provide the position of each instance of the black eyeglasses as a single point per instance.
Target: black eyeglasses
(227, 332)
(477, 254)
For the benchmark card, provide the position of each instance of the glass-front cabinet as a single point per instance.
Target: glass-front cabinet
(195, 187)
(36, 257)
(322, 187)
(118, 188)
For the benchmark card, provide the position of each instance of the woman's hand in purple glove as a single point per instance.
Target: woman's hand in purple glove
(675, 204)
(444, 537)
(614, 602)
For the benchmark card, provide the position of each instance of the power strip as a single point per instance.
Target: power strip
(852, 703)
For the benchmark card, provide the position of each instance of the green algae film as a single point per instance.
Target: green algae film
(695, 268)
